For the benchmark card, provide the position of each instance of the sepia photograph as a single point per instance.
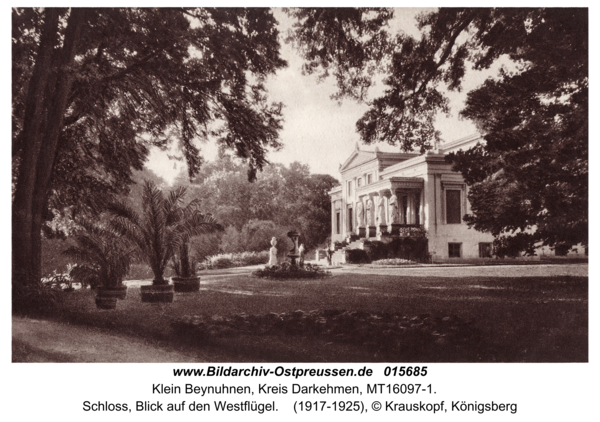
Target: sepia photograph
(299, 185)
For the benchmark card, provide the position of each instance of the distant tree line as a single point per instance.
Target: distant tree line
(281, 198)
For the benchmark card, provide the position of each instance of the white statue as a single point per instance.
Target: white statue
(359, 214)
(393, 209)
(273, 253)
(379, 208)
(369, 212)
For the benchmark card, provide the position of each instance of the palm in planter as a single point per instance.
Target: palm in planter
(159, 231)
(103, 260)
(184, 261)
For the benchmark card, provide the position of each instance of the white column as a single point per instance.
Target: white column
(411, 208)
(333, 233)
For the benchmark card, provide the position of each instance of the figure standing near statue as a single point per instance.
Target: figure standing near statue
(273, 253)
(330, 250)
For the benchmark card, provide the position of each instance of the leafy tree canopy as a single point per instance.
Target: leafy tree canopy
(529, 180)
(94, 88)
(289, 196)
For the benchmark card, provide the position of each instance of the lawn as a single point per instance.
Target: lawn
(386, 318)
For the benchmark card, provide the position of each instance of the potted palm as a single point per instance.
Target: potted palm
(103, 260)
(184, 265)
(159, 231)
(184, 261)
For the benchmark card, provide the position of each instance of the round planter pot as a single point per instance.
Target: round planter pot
(119, 292)
(106, 302)
(157, 293)
(186, 284)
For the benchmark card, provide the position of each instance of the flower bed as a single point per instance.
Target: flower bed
(232, 260)
(289, 271)
(394, 261)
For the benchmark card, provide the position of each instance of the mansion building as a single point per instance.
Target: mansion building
(386, 195)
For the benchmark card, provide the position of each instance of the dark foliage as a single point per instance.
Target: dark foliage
(281, 198)
(36, 297)
(412, 249)
(529, 181)
(103, 257)
(94, 88)
(287, 271)
(357, 256)
(233, 260)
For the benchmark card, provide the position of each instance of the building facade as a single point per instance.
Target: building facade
(388, 195)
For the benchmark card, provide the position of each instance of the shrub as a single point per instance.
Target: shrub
(340, 245)
(376, 250)
(37, 297)
(232, 260)
(206, 245)
(52, 256)
(288, 271)
(58, 280)
(255, 236)
(231, 241)
(64, 281)
(254, 258)
(357, 256)
(220, 261)
(393, 261)
(409, 248)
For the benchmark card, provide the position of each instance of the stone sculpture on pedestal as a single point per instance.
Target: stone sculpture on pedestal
(294, 253)
(393, 210)
(273, 253)
(369, 212)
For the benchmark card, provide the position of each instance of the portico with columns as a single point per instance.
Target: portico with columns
(391, 205)
(386, 195)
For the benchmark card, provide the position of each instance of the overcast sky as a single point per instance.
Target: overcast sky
(317, 130)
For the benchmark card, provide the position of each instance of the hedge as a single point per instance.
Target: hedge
(408, 248)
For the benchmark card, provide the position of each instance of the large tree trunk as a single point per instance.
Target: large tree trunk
(50, 85)
(22, 219)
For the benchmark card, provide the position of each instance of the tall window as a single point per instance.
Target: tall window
(454, 250)
(349, 188)
(338, 218)
(369, 178)
(453, 214)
